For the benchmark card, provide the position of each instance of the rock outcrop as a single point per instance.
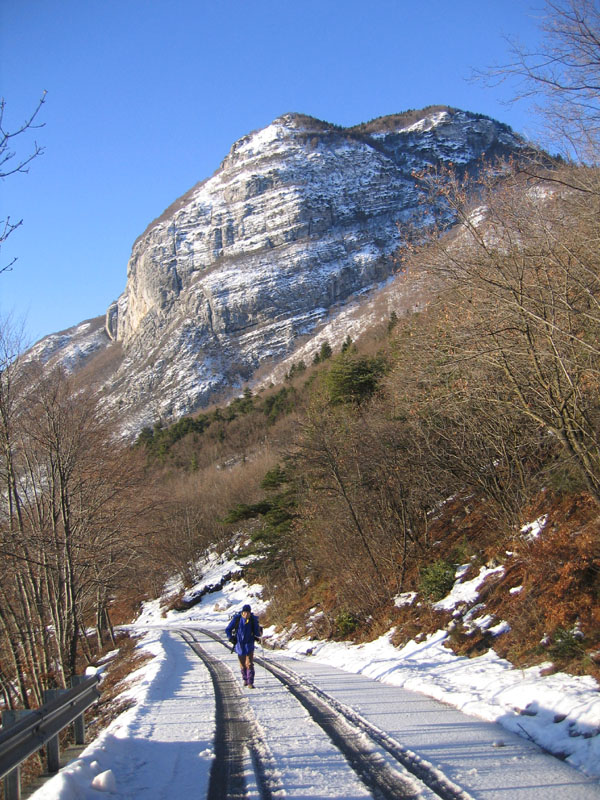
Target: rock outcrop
(300, 218)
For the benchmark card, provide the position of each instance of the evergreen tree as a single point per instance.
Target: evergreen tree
(353, 378)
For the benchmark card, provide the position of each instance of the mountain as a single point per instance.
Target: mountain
(300, 220)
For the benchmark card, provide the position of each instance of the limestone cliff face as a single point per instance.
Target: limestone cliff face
(299, 218)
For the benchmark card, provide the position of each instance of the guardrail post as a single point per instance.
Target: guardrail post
(53, 746)
(12, 781)
(12, 785)
(79, 722)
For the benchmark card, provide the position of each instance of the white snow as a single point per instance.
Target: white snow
(105, 781)
(405, 599)
(162, 745)
(427, 123)
(465, 592)
(477, 216)
(501, 627)
(259, 141)
(532, 530)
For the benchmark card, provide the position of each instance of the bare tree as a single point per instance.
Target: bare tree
(522, 275)
(368, 489)
(563, 75)
(73, 521)
(11, 163)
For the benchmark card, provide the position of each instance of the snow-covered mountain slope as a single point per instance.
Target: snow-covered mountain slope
(300, 219)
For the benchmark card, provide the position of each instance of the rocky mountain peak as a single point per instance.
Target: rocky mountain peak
(300, 218)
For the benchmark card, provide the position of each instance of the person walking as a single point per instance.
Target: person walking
(243, 631)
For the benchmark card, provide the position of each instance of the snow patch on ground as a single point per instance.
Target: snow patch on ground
(465, 592)
(532, 530)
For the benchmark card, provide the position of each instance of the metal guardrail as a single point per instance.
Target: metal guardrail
(41, 726)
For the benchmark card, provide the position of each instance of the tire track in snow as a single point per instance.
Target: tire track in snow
(347, 730)
(418, 767)
(236, 734)
(382, 781)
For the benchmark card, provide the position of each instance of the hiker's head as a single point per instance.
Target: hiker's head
(246, 611)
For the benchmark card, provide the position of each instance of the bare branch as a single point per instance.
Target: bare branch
(564, 74)
(9, 167)
(6, 137)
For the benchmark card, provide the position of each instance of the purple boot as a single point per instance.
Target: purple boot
(250, 677)
(245, 676)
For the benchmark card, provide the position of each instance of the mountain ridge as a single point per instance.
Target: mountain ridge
(300, 218)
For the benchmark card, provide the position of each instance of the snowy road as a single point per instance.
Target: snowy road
(319, 718)
(399, 744)
(309, 730)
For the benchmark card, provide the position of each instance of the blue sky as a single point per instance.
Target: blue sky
(146, 97)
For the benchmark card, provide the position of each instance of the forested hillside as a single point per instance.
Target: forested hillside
(373, 471)
(377, 470)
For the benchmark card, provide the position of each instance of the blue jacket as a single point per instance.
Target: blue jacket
(246, 632)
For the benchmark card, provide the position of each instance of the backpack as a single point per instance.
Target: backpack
(234, 630)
